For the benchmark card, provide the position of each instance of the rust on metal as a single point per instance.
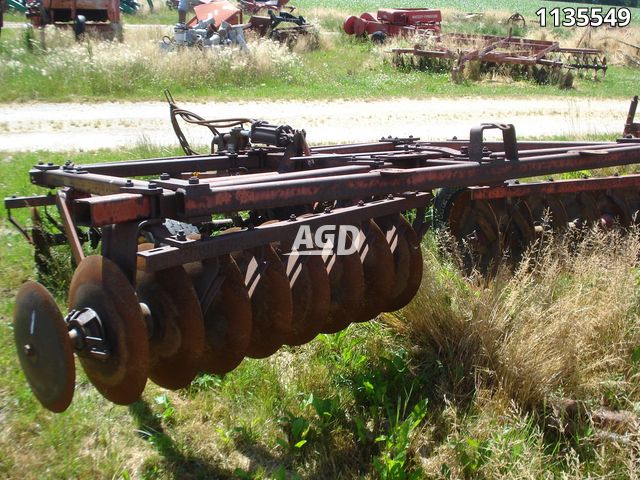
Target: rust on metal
(202, 262)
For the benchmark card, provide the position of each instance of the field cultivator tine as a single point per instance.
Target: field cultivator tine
(41, 246)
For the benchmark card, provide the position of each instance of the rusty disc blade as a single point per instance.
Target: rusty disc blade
(547, 211)
(407, 258)
(177, 338)
(518, 230)
(612, 210)
(346, 282)
(379, 270)
(99, 284)
(226, 310)
(632, 199)
(581, 208)
(44, 348)
(311, 295)
(271, 302)
(474, 225)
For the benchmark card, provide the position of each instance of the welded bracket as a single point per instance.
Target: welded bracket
(476, 141)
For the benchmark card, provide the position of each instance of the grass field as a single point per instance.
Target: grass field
(528, 8)
(342, 67)
(474, 379)
(466, 382)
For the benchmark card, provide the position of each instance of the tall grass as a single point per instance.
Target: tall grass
(109, 68)
(343, 67)
(564, 323)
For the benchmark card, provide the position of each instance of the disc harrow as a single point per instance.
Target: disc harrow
(541, 60)
(208, 259)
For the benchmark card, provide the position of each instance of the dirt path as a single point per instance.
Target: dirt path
(59, 127)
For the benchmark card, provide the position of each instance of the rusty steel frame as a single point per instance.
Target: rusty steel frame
(221, 228)
(556, 187)
(357, 181)
(494, 49)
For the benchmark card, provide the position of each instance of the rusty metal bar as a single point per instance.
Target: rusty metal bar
(69, 227)
(183, 252)
(555, 187)
(35, 201)
(110, 209)
(381, 182)
(270, 176)
(82, 181)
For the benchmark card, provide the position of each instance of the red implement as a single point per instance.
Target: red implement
(220, 11)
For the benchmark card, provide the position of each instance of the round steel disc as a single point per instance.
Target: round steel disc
(475, 227)
(177, 339)
(99, 284)
(227, 319)
(271, 302)
(613, 210)
(547, 210)
(581, 208)
(518, 230)
(346, 281)
(311, 297)
(44, 348)
(407, 258)
(632, 199)
(379, 271)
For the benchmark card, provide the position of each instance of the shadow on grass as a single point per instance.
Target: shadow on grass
(175, 462)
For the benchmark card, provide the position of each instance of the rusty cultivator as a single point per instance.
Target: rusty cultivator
(539, 59)
(207, 259)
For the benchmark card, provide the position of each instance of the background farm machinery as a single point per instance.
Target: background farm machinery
(540, 59)
(101, 17)
(221, 23)
(394, 22)
(433, 50)
(207, 259)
